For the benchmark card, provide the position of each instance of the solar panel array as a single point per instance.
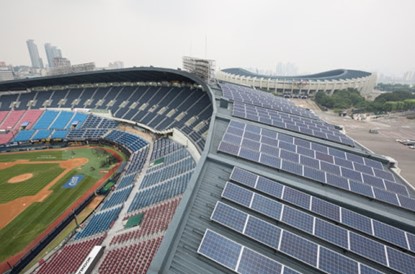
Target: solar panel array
(286, 242)
(267, 109)
(258, 98)
(344, 170)
(237, 257)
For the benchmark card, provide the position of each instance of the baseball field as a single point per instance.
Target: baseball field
(39, 188)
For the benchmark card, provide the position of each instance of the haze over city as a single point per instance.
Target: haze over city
(315, 35)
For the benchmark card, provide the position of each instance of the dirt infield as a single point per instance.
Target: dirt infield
(13, 208)
(20, 178)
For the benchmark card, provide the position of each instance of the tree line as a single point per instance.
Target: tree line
(351, 99)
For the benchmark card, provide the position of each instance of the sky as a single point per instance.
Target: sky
(316, 35)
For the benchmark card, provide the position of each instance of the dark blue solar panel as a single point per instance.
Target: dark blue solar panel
(320, 148)
(269, 133)
(373, 181)
(232, 139)
(384, 174)
(314, 174)
(401, 261)
(337, 153)
(411, 240)
(252, 136)
(270, 150)
(292, 167)
(298, 219)
(362, 168)
(297, 198)
(263, 232)
(269, 141)
(354, 158)
(368, 248)
(331, 233)
(351, 174)
(330, 168)
(229, 217)
(364, 269)
(337, 181)
(373, 163)
(228, 148)
(235, 131)
(237, 124)
(386, 196)
(408, 203)
(390, 234)
(244, 177)
(253, 129)
(332, 262)
(343, 163)
(299, 248)
(397, 188)
(324, 157)
(287, 146)
(250, 144)
(305, 151)
(286, 138)
(356, 221)
(270, 161)
(267, 206)
(302, 143)
(307, 161)
(237, 194)
(326, 209)
(269, 187)
(361, 189)
(220, 249)
(253, 262)
(249, 154)
(289, 271)
(290, 156)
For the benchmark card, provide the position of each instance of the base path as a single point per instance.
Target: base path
(12, 209)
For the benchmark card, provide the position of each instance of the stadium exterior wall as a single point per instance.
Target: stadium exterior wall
(309, 88)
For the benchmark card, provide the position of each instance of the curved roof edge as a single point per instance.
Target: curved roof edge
(338, 74)
(140, 74)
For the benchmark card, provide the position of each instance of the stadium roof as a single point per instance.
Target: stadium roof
(141, 74)
(338, 74)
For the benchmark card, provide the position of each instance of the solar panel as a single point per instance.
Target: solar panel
(270, 161)
(390, 234)
(299, 248)
(237, 194)
(332, 262)
(228, 148)
(351, 174)
(356, 221)
(386, 196)
(325, 209)
(262, 232)
(400, 261)
(383, 174)
(343, 163)
(229, 217)
(253, 262)
(232, 139)
(364, 269)
(331, 233)
(297, 197)
(310, 162)
(244, 177)
(220, 249)
(314, 174)
(368, 248)
(362, 189)
(249, 154)
(292, 167)
(267, 206)
(298, 219)
(373, 181)
(270, 187)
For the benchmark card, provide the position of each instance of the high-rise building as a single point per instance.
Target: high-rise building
(34, 54)
(204, 68)
(52, 52)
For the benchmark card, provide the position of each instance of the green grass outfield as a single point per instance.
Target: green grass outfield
(38, 216)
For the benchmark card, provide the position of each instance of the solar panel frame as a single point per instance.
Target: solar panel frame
(290, 243)
(229, 217)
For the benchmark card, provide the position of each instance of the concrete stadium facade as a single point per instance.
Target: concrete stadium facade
(303, 85)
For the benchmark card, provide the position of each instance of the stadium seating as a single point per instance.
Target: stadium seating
(128, 140)
(99, 223)
(156, 219)
(46, 119)
(130, 259)
(12, 119)
(70, 257)
(117, 197)
(30, 117)
(24, 135)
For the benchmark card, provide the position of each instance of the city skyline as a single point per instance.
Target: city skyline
(319, 36)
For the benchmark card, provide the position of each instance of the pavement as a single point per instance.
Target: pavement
(389, 127)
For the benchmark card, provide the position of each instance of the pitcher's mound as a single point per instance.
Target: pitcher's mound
(21, 178)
